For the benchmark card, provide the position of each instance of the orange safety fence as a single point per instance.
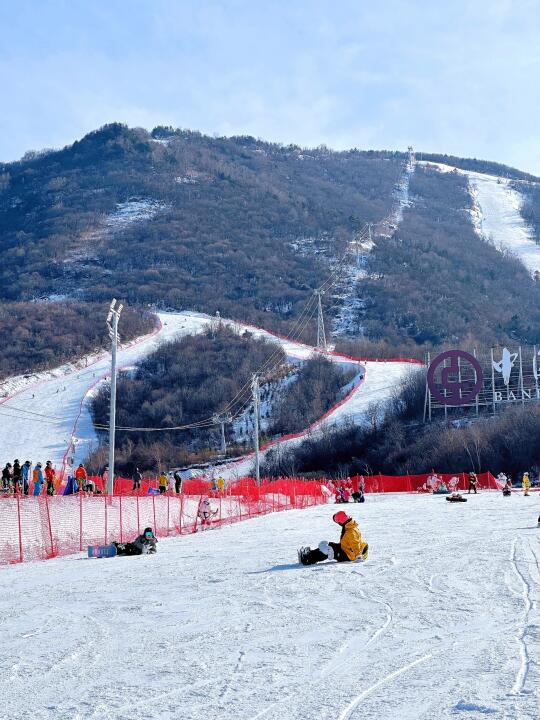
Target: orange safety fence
(42, 527)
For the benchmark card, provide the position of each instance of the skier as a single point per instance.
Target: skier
(38, 480)
(25, 473)
(350, 547)
(144, 544)
(50, 476)
(177, 482)
(526, 483)
(472, 483)
(507, 489)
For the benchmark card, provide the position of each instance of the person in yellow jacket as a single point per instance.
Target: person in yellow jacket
(350, 547)
(163, 483)
(526, 483)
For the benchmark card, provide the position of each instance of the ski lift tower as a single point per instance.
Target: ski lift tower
(321, 334)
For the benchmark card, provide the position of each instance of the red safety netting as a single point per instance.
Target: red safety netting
(427, 482)
(38, 528)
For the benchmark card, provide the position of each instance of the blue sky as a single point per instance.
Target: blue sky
(450, 76)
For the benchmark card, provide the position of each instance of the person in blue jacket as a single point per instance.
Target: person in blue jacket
(38, 479)
(25, 472)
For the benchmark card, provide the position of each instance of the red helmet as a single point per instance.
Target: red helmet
(340, 517)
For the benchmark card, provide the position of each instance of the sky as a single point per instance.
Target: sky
(449, 76)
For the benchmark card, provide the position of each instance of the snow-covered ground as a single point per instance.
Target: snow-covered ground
(441, 623)
(46, 414)
(497, 215)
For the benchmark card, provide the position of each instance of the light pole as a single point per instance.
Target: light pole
(255, 389)
(112, 323)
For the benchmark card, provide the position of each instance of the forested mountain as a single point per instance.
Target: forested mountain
(178, 220)
(436, 281)
(181, 220)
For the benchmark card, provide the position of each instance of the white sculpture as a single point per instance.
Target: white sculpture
(506, 364)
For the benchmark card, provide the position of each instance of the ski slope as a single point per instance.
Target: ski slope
(497, 215)
(377, 385)
(441, 623)
(46, 416)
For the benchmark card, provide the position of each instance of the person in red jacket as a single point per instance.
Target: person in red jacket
(50, 477)
(81, 477)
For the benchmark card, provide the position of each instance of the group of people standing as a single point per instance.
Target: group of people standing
(347, 490)
(24, 479)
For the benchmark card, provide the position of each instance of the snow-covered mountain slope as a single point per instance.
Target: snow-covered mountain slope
(440, 623)
(346, 321)
(371, 392)
(46, 417)
(497, 215)
(44, 414)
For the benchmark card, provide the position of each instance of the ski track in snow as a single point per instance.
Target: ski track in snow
(225, 624)
(497, 214)
(62, 394)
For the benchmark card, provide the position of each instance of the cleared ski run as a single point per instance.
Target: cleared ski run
(441, 623)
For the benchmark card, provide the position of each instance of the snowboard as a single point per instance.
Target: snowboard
(359, 559)
(101, 551)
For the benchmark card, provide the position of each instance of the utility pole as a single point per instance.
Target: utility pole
(112, 323)
(255, 389)
(321, 335)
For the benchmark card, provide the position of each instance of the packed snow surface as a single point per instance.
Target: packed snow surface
(498, 215)
(442, 621)
(44, 414)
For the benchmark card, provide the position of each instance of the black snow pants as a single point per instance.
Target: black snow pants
(472, 486)
(126, 549)
(316, 555)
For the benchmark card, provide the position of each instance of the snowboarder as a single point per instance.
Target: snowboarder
(137, 477)
(142, 545)
(50, 475)
(472, 483)
(350, 547)
(205, 513)
(507, 489)
(526, 483)
(456, 497)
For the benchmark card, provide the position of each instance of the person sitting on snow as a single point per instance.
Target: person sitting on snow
(350, 547)
(142, 545)
(507, 489)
